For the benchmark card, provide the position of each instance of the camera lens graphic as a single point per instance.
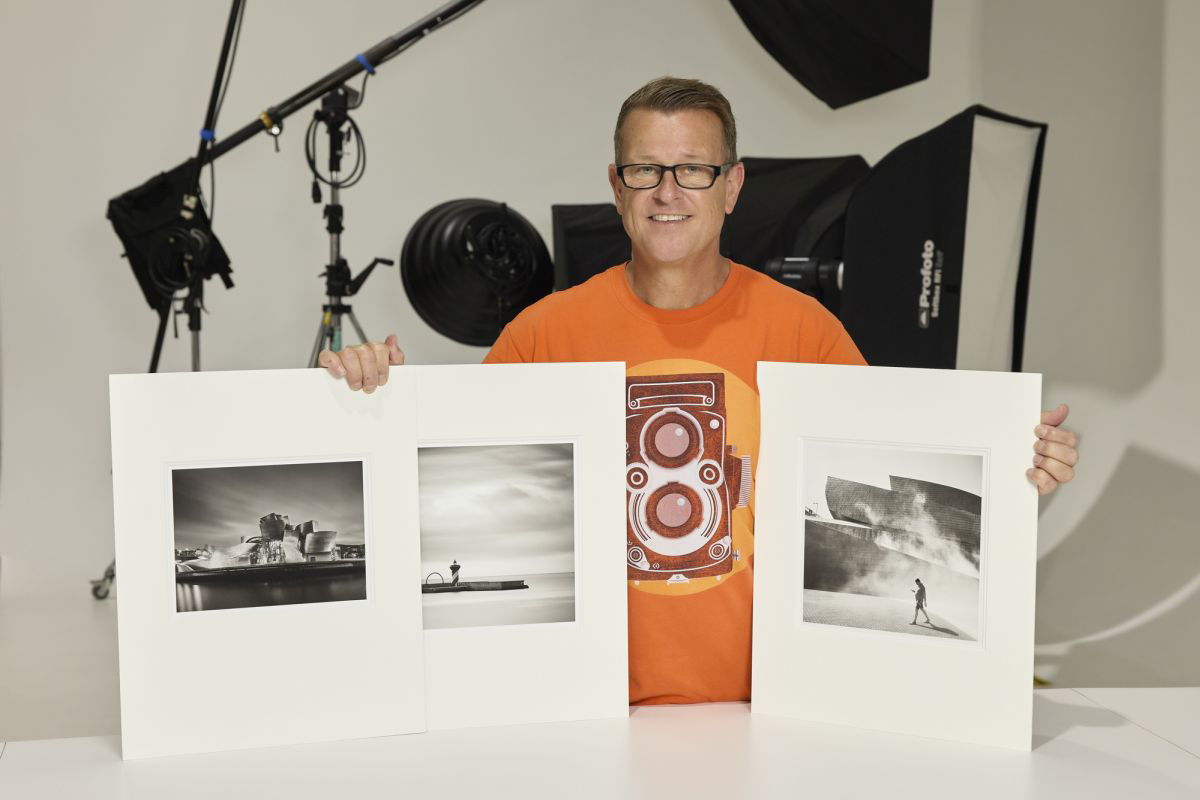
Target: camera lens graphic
(717, 551)
(674, 510)
(672, 439)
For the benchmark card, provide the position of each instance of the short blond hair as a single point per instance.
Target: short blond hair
(668, 95)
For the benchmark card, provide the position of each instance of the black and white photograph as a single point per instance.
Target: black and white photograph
(268, 535)
(497, 534)
(892, 539)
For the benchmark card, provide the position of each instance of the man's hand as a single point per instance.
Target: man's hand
(1055, 454)
(364, 366)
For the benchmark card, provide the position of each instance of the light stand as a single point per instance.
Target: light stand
(191, 243)
(334, 115)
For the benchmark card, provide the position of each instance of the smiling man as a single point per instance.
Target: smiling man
(690, 327)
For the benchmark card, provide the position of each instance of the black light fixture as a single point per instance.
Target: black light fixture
(844, 51)
(469, 266)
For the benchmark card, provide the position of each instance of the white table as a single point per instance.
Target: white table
(1119, 743)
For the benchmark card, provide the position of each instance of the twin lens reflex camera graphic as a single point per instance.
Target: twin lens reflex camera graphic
(680, 477)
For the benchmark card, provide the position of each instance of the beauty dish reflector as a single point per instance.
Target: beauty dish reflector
(469, 266)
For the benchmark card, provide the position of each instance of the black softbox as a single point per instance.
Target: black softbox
(145, 219)
(788, 207)
(588, 238)
(844, 51)
(938, 243)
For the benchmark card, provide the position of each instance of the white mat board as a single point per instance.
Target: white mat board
(858, 662)
(520, 673)
(263, 675)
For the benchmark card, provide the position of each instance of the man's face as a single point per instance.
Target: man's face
(669, 223)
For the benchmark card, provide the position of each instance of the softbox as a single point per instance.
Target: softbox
(938, 242)
(844, 51)
(147, 220)
(793, 207)
(788, 207)
(588, 238)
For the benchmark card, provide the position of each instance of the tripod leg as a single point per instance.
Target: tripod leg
(362, 337)
(322, 335)
(163, 314)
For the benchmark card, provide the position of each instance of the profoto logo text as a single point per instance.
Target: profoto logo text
(930, 301)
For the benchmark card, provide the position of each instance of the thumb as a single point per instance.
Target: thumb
(1056, 416)
(395, 354)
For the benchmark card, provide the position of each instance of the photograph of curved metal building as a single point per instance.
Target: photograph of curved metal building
(892, 539)
(225, 559)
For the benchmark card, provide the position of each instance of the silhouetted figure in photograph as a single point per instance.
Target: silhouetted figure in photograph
(454, 568)
(921, 601)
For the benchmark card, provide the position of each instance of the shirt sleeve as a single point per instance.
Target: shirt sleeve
(842, 349)
(833, 343)
(504, 349)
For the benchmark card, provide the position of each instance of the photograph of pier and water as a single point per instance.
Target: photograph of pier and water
(268, 535)
(892, 539)
(497, 534)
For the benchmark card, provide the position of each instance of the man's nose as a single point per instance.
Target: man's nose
(667, 188)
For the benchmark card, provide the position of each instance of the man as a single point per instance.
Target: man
(920, 591)
(680, 314)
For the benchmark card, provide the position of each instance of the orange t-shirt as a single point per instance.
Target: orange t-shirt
(692, 445)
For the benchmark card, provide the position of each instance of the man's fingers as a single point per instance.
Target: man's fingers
(1056, 416)
(1055, 452)
(380, 351)
(395, 354)
(1061, 452)
(330, 361)
(1060, 472)
(370, 370)
(1040, 478)
(364, 366)
(1069, 438)
(354, 370)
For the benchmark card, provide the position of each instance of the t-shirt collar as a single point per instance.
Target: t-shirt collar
(680, 316)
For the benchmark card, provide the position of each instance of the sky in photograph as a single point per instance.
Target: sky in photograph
(873, 464)
(499, 510)
(219, 505)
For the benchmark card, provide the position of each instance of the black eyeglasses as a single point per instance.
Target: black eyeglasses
(687, 176)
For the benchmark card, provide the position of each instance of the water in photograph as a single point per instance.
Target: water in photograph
(241, 594)
(549, 598)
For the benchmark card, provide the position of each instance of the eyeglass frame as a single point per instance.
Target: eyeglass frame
(665, 168)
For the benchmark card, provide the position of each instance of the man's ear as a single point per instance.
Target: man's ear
(733, 185)
(618, 188)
